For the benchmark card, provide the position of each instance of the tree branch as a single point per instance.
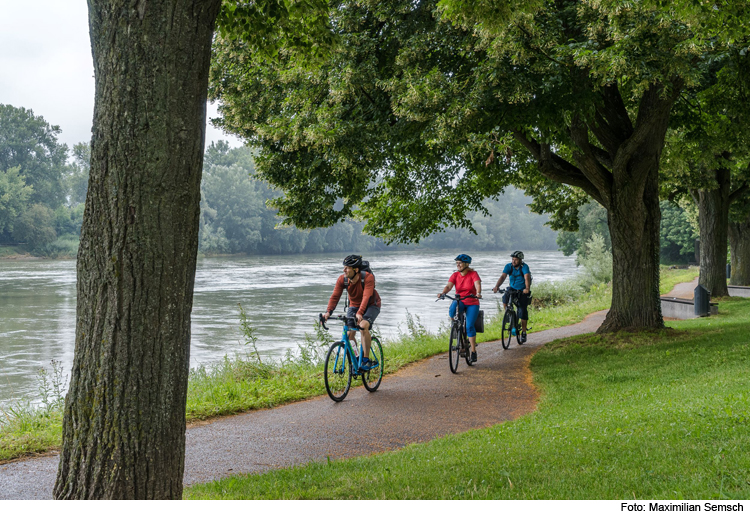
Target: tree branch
(587, 159)
(611, 125)
(653, 117)
(556, 168)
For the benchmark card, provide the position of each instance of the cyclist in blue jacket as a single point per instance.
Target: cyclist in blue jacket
(520, 280)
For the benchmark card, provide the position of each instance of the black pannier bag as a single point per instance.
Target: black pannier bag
(479, 324)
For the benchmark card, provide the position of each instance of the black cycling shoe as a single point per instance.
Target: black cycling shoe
(474, 357)
(523, 337)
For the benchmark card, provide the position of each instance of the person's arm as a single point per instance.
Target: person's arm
(478, 288)
(448, 287)
(500, 282)
(527, 278)
(335, 296)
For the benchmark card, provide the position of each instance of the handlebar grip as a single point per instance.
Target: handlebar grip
(322, 321)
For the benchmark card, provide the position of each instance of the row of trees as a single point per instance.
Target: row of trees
(406, 115)
(41, 191)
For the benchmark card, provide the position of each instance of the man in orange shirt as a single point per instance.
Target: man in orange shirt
(364, 301)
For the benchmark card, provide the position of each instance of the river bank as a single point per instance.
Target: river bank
(281, 295)
(240, 383)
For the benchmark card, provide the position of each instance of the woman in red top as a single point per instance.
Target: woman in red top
(467, 282)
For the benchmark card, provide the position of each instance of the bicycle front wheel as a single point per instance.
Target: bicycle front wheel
(338, 372)
(371, 378)
(508, 323)
(454, 348)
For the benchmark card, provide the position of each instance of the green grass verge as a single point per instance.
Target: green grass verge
(654, 415)
(27, 430)
(238, 384)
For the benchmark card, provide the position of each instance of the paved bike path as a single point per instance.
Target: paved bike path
(419, 403)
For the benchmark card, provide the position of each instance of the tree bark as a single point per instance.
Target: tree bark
(713, 219)
(124, 424)
(739, 242)
(634, 218)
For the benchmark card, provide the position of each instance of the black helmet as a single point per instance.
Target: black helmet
(463, 258)
(353, 261)
(517, 254)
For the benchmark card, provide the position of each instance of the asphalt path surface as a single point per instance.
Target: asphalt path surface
(419, 403)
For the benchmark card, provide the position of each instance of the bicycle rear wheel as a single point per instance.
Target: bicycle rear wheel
(454, 349)
(371, 378)
(506, 333)
(338, 372)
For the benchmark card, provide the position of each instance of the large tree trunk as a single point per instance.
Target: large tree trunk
(124, 426)
(713, 218)
(739, 242)
(634, 218)
(621, 172)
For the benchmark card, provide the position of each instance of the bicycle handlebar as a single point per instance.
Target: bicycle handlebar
(456, 298)
(338, 317)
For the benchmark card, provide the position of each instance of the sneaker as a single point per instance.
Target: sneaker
(365, 364)
(474, 357)
(523, 337)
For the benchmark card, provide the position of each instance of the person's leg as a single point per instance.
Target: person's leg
(506, 298)
(472, 312)
(351, 313)
(452, 309)
(364, 324)
(523, 313)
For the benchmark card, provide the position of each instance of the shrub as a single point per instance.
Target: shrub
(556, 293)
(597, 262)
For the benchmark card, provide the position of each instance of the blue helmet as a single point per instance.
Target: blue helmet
(463, 258)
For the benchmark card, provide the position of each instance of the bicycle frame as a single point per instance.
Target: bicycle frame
(355, 358)
(510, 310)
(459, 326)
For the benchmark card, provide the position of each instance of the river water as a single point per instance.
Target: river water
(282, 296)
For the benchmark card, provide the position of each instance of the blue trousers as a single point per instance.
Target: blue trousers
(472, 311)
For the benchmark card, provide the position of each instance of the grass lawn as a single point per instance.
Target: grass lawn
(236, 384)
(657, 415)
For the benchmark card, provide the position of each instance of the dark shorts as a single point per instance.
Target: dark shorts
(370, 314)
(523, 302)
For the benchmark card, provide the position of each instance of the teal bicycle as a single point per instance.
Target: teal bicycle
(342, 363)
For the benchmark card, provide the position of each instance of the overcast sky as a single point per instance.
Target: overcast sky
(46, 65)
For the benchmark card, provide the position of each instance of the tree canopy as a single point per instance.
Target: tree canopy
(423, 109)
